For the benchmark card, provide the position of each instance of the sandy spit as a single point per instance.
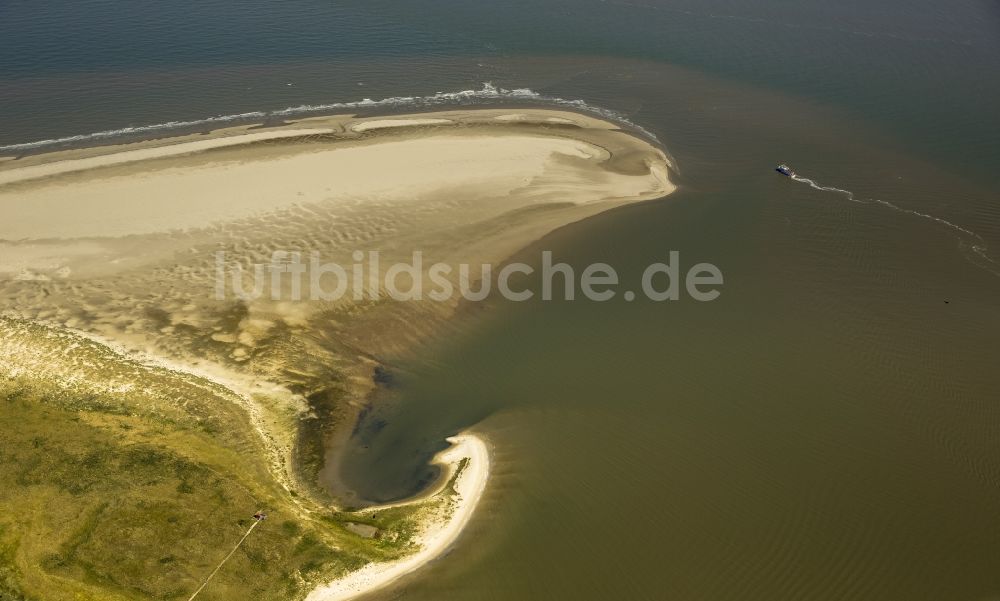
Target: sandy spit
(435, 541)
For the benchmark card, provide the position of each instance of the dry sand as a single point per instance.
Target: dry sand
(194, 184)
(189, 196)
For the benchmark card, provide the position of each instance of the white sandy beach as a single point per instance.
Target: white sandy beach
(470, 485)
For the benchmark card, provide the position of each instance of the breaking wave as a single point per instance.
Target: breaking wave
(488, 94)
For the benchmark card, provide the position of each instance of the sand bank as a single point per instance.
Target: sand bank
(469, 488)
(194, 184)
(187, 196)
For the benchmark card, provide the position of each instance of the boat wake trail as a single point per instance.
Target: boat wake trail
(973, 245)
(818, 186)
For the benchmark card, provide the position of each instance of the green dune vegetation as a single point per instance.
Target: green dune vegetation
(110, 489)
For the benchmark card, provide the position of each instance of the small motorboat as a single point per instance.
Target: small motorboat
(785, 170)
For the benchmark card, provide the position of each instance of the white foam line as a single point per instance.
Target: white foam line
(125, 131)
(979, 246)
(489, 92)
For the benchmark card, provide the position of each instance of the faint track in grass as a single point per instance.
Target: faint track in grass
(223, 562)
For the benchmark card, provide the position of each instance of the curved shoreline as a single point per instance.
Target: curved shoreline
(469, 486)
(438, 101)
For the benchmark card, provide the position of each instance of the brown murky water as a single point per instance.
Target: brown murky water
(827, 428)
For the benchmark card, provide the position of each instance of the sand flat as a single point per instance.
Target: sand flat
(137, 201)
(201, 183)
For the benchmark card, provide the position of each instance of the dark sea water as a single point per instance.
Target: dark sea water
(829, 428)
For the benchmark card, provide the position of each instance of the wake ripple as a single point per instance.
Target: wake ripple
(967, 239)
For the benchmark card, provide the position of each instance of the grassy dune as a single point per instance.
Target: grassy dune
(109, 493)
